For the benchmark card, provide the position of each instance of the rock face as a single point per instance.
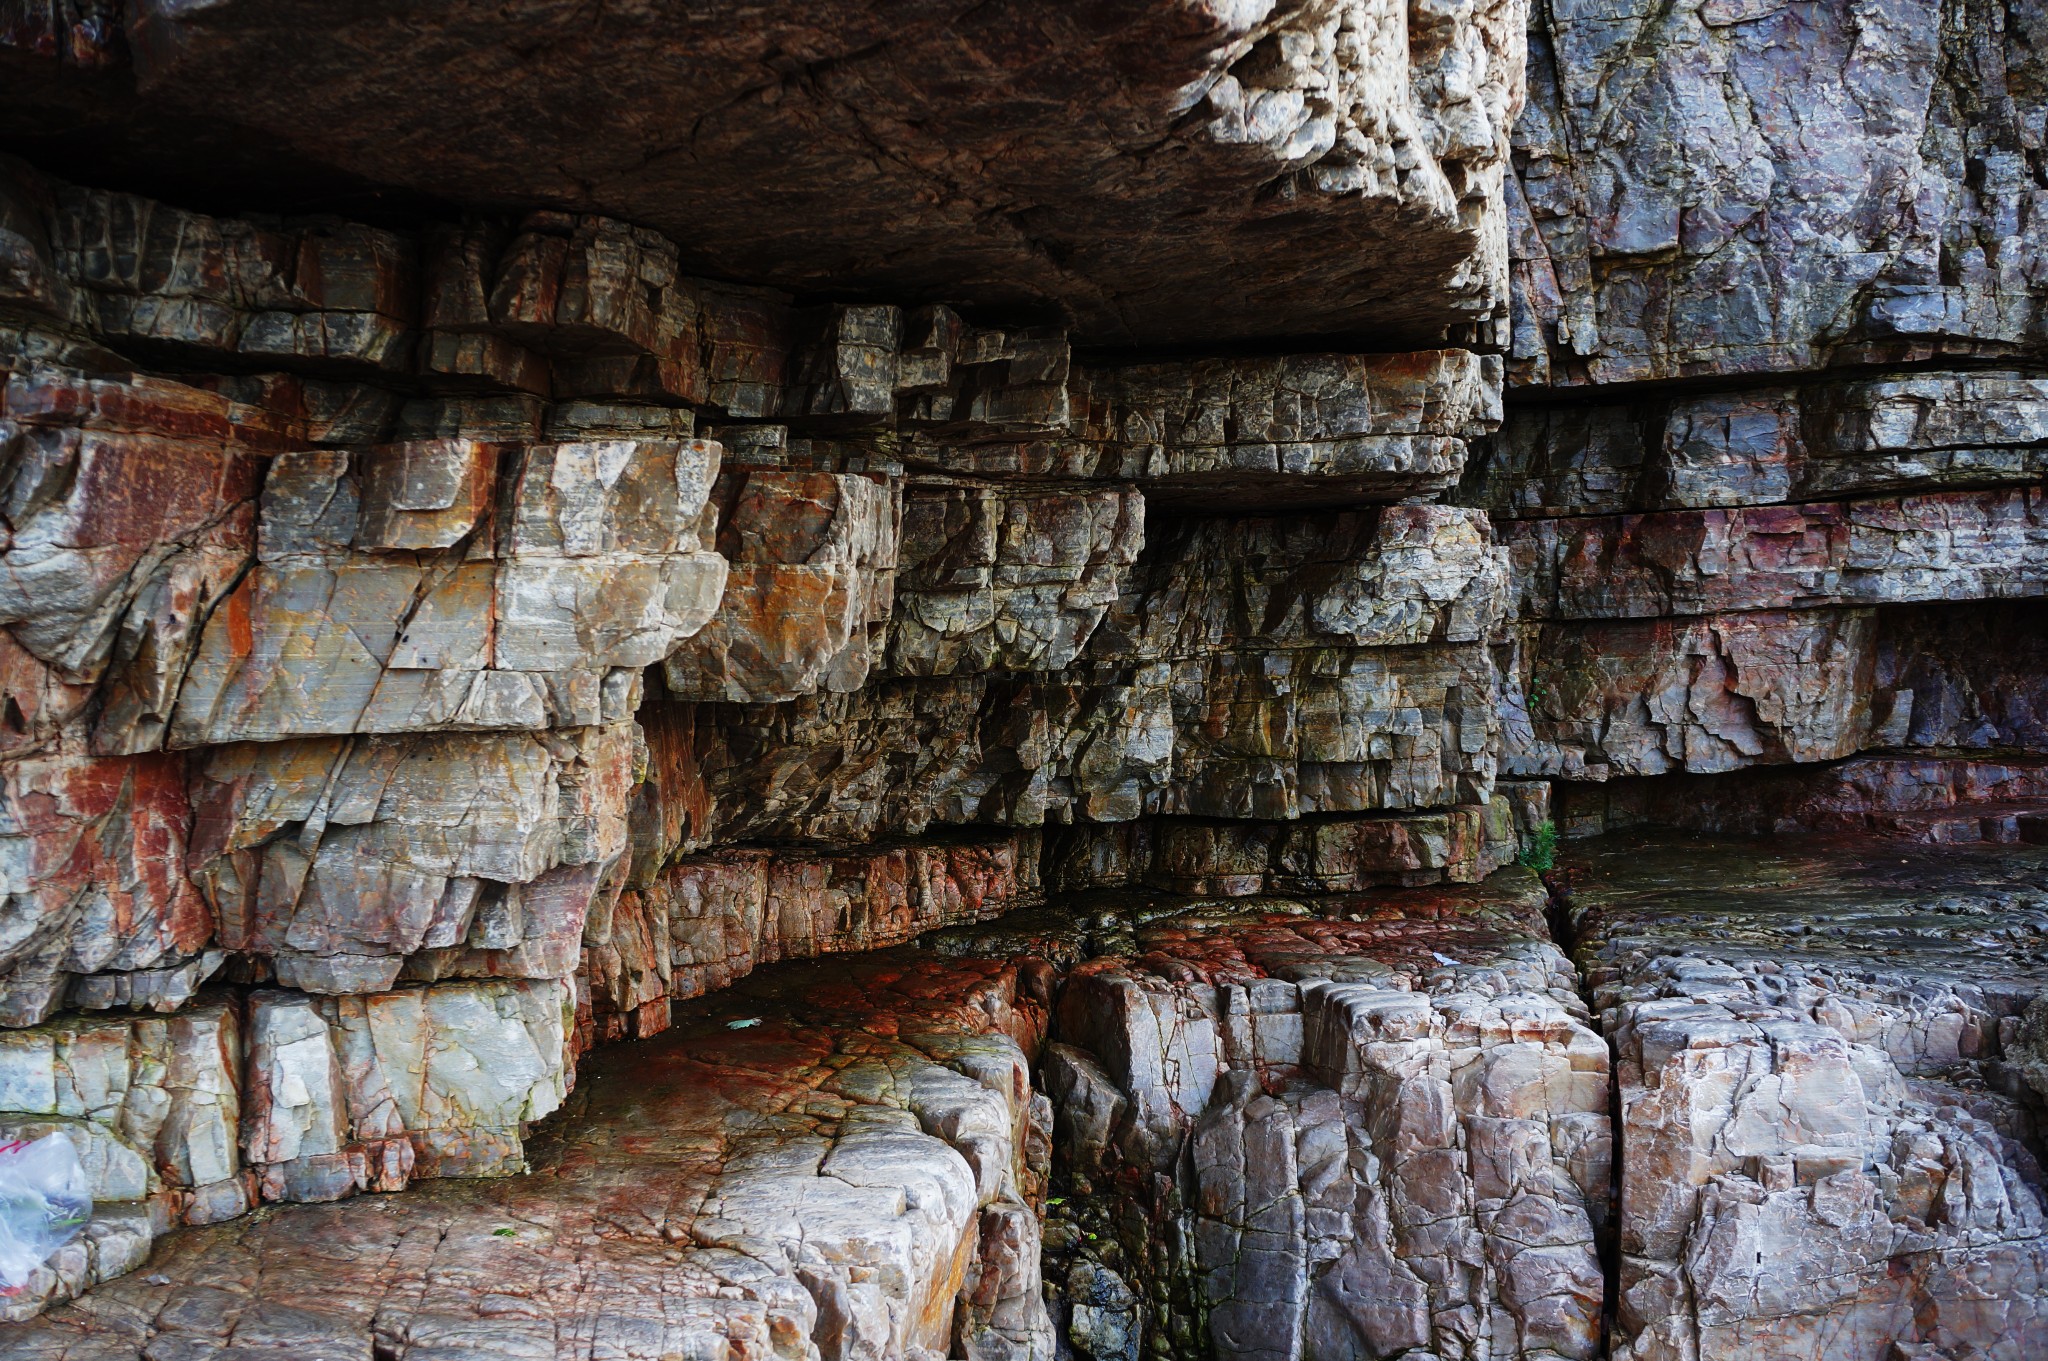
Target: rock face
(1013, 159)
(1821, 1151)
(1019, 595)
(1747, 189)
(386, 598)
(1301, 429)
(1369, 1128)
(1744, 570)
(1915, 432)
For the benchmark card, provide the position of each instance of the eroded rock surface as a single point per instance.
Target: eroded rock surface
(978, 475)
(1740, 188)
(1940, 799)
(387, 596)
(1019, 160)
(1823, 1149)
(1340, 1126)
(1301, 429)
(1768, 444)
(706, 921)
(830, 1166)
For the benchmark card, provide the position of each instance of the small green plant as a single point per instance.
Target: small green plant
(1539, 851)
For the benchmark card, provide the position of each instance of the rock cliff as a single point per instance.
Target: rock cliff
(1174, 678)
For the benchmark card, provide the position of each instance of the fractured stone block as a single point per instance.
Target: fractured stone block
(812, 566)
(1812, 1158)
(342, 862)
(998, 577)
(1303, 429)
(352, 1094)
(457, 584)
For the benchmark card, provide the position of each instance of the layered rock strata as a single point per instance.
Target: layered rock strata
(1716, 573)
(507, 587)
(494, 636)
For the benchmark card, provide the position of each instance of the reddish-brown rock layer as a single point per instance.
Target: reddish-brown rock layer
(846, 1162)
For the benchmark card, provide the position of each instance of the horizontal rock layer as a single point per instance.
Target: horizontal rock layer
(1939, 799)
(1321, 855)
(1013, 160)
(1766, 444)
(1724, 691)
(1943, 546)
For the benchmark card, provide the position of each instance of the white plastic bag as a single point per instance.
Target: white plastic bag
(45, 1199)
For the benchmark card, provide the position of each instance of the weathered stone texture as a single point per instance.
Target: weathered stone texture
(1943, 546)
(315, 293)
(1002, 577)
(707, 921)
(1723, 691)
(1762, 445)
(456, 584)
(1301, 429)
(810, 585)
(1327, 167)
(1013, 438)
(92, 864)
(1942, 800)
(1320, 855)
(1398, 576)
(130, 513)
(1819, 1155)
(342, 863)
(1373, 1130)
(1734, 189)
(151, 1106)
(1258, 735)
(847, 1172)
(350, 1094)
(1646, 697)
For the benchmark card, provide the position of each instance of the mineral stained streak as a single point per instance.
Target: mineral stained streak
(1305, 681)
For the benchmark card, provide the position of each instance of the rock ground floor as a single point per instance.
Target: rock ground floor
(1701, 1097)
